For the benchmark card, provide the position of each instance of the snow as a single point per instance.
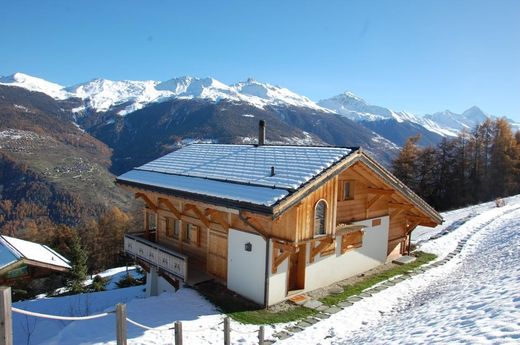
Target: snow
(102, 94)
(249, 164)
(49, 331)
(35, 84)
(357, 109)
(131, 95)
(114, 275)
(218, 189)
(35, 252)
(472, 299)
(445, 123)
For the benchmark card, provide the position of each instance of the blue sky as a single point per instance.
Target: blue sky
(419, 56)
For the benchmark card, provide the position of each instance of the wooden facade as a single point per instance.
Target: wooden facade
(355, 191)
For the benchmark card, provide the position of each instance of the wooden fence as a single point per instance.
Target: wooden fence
(6, 322)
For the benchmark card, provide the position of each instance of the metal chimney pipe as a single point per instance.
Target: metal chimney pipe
(261, 132)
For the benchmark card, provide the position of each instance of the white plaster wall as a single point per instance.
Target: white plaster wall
(246, 270)
(277, 281)
(332, 268)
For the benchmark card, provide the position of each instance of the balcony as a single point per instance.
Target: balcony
(156, 255)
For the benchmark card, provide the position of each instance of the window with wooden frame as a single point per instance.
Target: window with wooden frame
(191, 233)
(320, 218)
(172, 227)
(151, 221)
(347, 191)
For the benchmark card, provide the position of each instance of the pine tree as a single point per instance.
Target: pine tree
(404, 166)
(78, 273)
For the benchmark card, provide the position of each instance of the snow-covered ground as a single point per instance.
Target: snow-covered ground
(474, 298)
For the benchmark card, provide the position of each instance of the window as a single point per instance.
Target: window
(348, 190)
(191, 233)
(151, 221)
(172, 228)
(320, 217)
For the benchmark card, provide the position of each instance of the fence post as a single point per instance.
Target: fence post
(261, 335)
(227, 330)
(6, 321)
(121, 323)
(178, 333)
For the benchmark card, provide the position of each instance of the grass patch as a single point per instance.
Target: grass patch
(265, 316)
(354, 289)
(245, 311)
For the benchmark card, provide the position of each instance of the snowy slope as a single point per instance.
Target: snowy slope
(102, 94)
(472, 299)
(36, 84)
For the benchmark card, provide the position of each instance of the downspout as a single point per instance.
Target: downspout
(409, 242)
(267, 243)
(266, 284)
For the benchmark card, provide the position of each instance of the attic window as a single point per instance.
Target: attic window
(348, 190)
(320, 217)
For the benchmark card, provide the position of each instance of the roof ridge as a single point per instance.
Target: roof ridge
(353, 148)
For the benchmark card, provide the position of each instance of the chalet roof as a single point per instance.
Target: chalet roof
(237, 172)
(239, 176)
(13, 250)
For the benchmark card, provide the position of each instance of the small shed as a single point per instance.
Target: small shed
(20, 259)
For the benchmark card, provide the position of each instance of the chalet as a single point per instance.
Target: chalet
(269, 221)
(20, 259)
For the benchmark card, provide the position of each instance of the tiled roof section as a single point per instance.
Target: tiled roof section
(211, 188)
(249, 164)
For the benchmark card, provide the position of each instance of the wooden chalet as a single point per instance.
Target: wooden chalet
(269, 221)
(20, 259)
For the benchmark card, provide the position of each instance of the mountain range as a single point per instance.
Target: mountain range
(62, 145)
(125, 97)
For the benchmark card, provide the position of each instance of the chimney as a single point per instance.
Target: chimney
(261, 133)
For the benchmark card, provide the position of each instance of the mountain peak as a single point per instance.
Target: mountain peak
(475, 113)
(35, 84)
(352, 95)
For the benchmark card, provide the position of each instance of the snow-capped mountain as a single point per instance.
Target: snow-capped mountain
(249, 91)
(102, 94)
(126, 96)
(467, 120)
(31, 83)
(357, 109)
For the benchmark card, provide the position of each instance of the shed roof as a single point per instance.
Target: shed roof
(15, 249)
(237, 172)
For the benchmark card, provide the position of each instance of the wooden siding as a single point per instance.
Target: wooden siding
(297, 224)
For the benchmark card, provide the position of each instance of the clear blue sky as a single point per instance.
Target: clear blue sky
(420, 56)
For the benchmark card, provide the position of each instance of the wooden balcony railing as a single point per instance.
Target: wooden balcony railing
(157, 255)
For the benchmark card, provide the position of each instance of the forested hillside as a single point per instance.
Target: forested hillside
(476, 166)
(54, 179)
